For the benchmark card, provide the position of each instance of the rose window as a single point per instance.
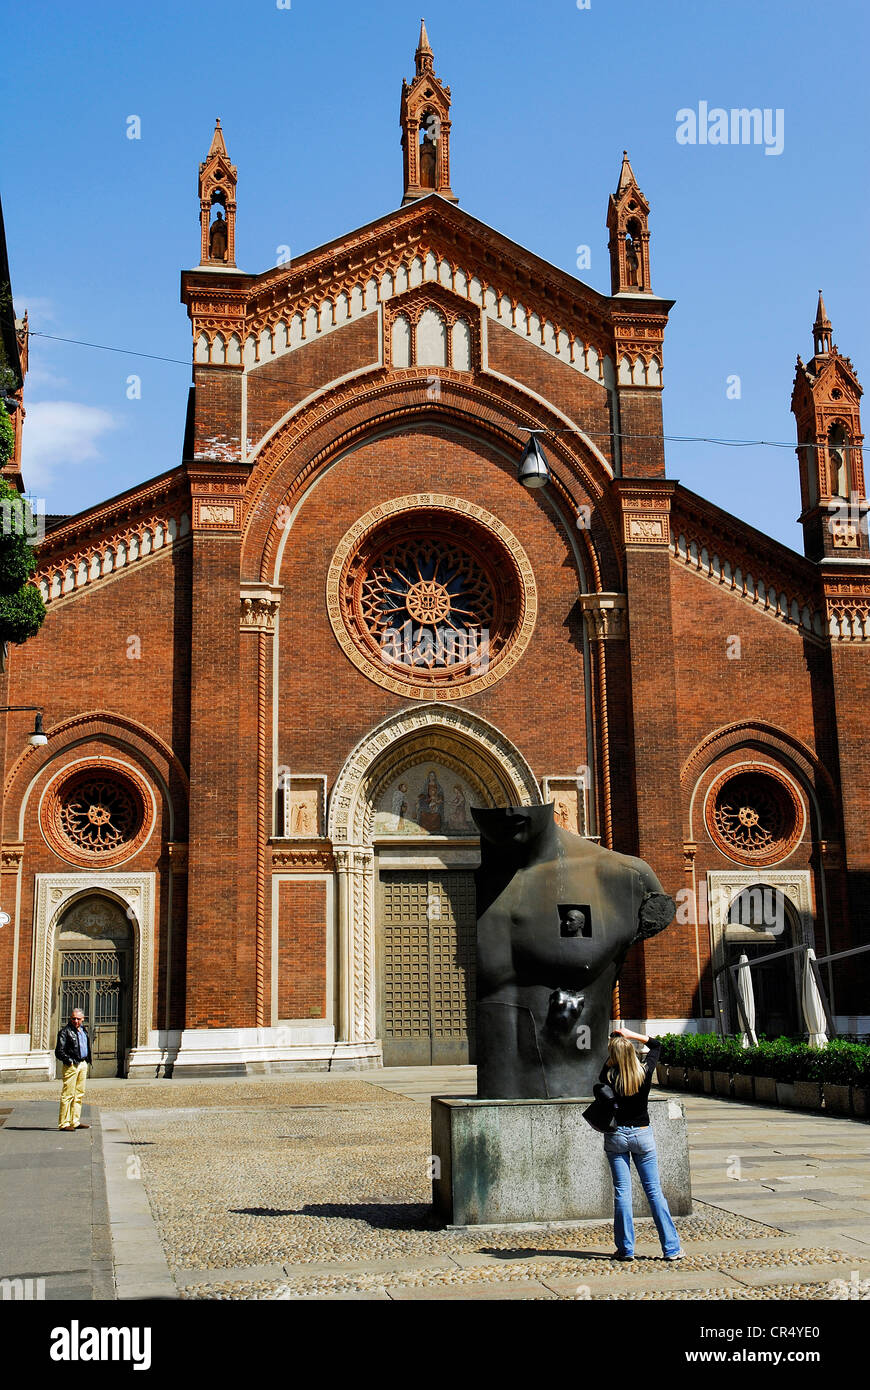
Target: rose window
(97, 815)
(428, 603)
(430, 599)
(754, 817)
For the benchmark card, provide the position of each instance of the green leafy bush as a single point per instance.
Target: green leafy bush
(841, 1062)
(22, 610)
(7, 436)
(21, 614)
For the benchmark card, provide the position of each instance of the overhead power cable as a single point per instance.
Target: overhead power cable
(590, 434)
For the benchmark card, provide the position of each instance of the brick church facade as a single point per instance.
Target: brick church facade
(276, 677)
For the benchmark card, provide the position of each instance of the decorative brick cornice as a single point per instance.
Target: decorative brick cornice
(217, 491)
(646, 506)
(110, 555)
(11, 857)
(427, 242)
(604, 615)
(847, 608)
(775, 580)
(167, 494)
(638, 337)
(302, 856)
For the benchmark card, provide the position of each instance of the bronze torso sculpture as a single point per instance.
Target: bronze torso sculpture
(556, 915)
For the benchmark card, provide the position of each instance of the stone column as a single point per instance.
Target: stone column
(259, 611)
(355, 867)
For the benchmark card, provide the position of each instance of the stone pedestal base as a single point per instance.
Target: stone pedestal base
(499, 1162)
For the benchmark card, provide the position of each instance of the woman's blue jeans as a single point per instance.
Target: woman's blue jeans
(619, 1145)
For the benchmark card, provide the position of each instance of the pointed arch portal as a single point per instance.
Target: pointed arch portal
(383, 876)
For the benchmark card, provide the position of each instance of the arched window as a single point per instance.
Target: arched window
(431, 340)
(401, 342)
(838, 456)
(429, 132)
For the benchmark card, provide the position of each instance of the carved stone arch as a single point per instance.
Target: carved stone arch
(778, 745)
(501, 771)
(54, 894)
(410, 757)
(311, 438)
(139, 744)
(498, 765)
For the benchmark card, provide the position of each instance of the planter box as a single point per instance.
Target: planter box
(722, 1083)
(785, 1093)
(677, 1078)
(744, 1088)
(838, 1100)
(861, 1102)
(695, 1078)
(808, 1095)
(662, 1074)
(765, 1090)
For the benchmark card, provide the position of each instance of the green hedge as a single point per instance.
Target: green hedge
(840, 1062)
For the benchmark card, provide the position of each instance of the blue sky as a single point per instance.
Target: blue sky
(545, 97)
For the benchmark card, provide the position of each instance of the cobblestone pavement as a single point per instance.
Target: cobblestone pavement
(313, 1188)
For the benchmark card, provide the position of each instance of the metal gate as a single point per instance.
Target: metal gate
(427, 948)
(95, 981)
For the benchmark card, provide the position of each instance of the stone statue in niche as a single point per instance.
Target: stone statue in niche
(217, 238)
(428, 153)
(556, 916)
(632, 260)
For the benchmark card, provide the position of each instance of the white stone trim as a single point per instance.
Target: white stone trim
(349, 819)
(283, 333)
(101, 559)
(53, 895)
(724, 885)
(16, 1055)
(252, 1049)
(501, 768)
(776, 604)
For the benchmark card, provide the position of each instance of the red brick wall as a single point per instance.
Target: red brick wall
(327, 705)
(640, 427)
(217, 429)
(220, 975)
(79, 662)
(301, 949)
(573, 393)
(278, 385)
(780, 679)
(770, 681)
(658, 978)
(851, 674)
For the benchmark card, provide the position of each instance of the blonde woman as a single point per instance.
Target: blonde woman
(632, 1134)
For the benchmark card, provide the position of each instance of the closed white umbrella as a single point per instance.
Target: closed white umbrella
(747, 1001)
(814, 1009)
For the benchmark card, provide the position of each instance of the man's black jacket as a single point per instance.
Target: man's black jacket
(66, 1048)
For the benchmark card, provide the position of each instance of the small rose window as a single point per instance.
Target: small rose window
(754, 816)
(97, 816)
(100, 814)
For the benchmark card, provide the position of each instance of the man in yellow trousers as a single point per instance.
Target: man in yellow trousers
(73, 1049)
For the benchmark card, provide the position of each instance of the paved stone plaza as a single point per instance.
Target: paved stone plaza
(317, 1187)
